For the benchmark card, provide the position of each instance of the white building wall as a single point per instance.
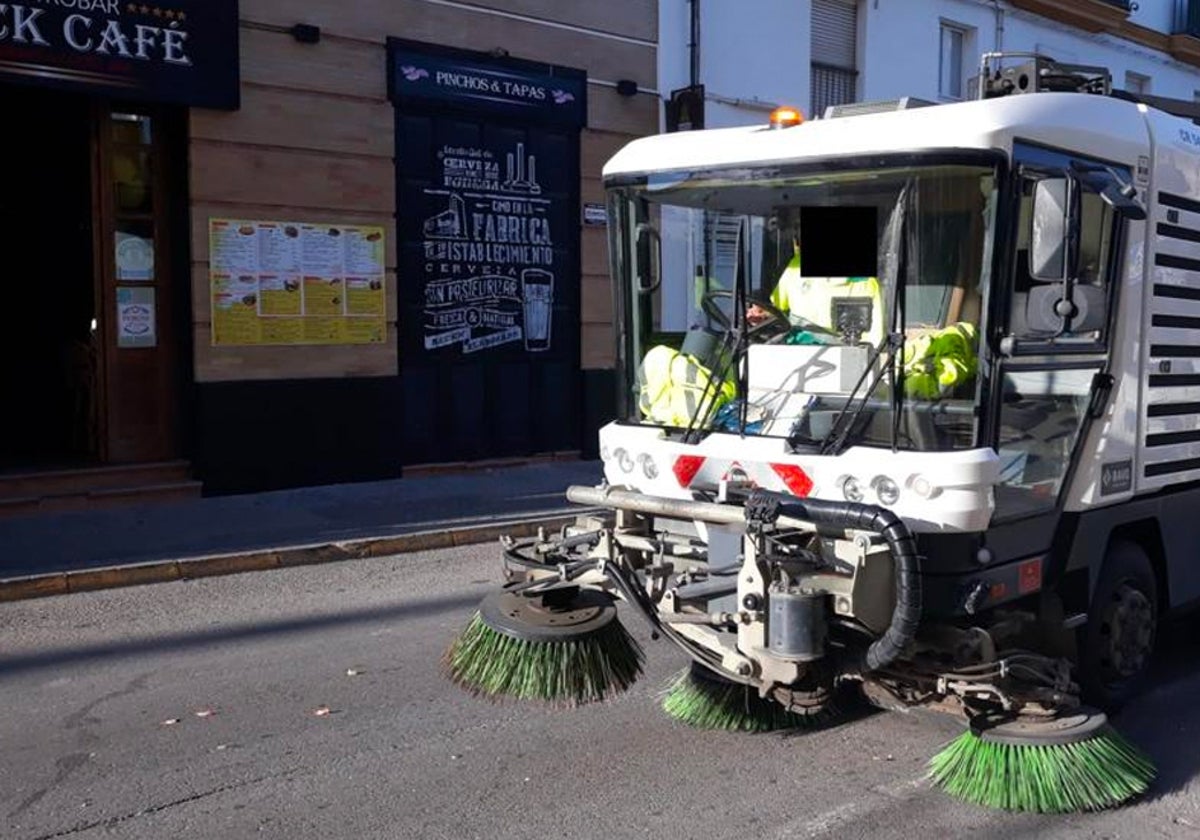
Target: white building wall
(755, 53)
(1156, 14)
(746, 68)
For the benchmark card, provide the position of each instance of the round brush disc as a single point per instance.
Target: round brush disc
(555, 616)
(1068, 728)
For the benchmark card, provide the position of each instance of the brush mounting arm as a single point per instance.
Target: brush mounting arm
(906, 615)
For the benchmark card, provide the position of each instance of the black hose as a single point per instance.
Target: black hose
(906, 615)
(635, 597)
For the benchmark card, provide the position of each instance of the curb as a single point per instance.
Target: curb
(137, 574)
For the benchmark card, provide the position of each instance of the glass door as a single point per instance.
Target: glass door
(135, 294)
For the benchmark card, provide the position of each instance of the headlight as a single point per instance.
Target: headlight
(649, 468)
(851, 489)
(921, 485)
(623, 460)
(887, 490)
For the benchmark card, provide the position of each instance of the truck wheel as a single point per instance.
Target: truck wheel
(1118, 639)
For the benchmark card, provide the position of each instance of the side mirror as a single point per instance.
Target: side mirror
(1113, 186)
(1048, 239)
(649, 258)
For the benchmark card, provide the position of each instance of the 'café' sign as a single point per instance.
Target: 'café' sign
(181, 51)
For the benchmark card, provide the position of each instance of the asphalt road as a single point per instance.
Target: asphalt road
(90, 683)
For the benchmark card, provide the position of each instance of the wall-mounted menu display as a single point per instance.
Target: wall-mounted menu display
(296, 283)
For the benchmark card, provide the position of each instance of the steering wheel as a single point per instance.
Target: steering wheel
(777, 320)
(777, 324)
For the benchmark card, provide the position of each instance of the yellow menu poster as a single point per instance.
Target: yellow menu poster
(287, 283)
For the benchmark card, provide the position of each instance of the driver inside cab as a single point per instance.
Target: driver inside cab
(821, 310)
(936, 360)
(676, 386)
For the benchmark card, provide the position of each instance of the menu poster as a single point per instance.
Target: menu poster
(291, 283)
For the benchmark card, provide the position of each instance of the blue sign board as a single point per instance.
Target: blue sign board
(424, 75)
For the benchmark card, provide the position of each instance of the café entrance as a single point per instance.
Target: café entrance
(89, 362)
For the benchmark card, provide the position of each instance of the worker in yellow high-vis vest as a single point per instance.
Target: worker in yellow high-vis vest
(938, 361)
(675, 389)
(811, 301)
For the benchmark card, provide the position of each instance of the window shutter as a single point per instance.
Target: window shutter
(834, 53)
(835, 33)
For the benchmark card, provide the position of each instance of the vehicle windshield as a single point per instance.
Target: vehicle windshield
(832, 308)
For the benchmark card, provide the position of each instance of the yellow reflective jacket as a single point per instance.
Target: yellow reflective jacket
(673, 385)
(938, 361)
(811, 298)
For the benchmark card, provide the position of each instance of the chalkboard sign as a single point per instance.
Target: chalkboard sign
(490, 251)
(488, 227)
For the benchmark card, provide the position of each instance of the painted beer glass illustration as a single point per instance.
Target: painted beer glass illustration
(538, 292)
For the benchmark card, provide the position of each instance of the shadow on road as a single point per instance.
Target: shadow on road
(197, 639)
(1165, 721)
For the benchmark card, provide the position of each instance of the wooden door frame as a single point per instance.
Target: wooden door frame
(104, 228)
(102, 231)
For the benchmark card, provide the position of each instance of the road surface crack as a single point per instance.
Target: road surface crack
(80, 720)
(110, 822)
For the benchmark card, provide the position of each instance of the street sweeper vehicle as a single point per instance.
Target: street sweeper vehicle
(909, 409)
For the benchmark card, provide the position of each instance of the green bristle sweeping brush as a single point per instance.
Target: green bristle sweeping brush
(565, 647)
(1076, 762)
(700, 698)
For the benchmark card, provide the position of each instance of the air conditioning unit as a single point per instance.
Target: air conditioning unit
(855, 109)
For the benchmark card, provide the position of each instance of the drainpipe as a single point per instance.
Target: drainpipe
(694, 45)
(999, 25)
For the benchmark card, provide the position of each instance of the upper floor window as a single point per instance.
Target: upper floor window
(834, 51)
(951, 60)
(1136, 82)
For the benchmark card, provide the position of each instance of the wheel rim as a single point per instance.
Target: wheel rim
(1127, 629)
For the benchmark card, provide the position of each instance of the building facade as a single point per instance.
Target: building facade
(259, 245)
(815, 53)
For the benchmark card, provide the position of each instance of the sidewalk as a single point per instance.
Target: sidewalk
(39, 553)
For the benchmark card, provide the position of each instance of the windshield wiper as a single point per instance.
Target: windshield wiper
(834, 441)
(897, 237)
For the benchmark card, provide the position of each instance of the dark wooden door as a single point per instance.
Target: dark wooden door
(488, 221)
(135, 289)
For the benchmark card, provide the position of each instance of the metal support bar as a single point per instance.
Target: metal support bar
(673, 508)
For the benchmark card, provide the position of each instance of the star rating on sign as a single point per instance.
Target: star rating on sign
(156, 11)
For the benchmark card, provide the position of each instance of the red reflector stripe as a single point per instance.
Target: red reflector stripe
(686, 467)
(794, 478)
(1029, 576)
